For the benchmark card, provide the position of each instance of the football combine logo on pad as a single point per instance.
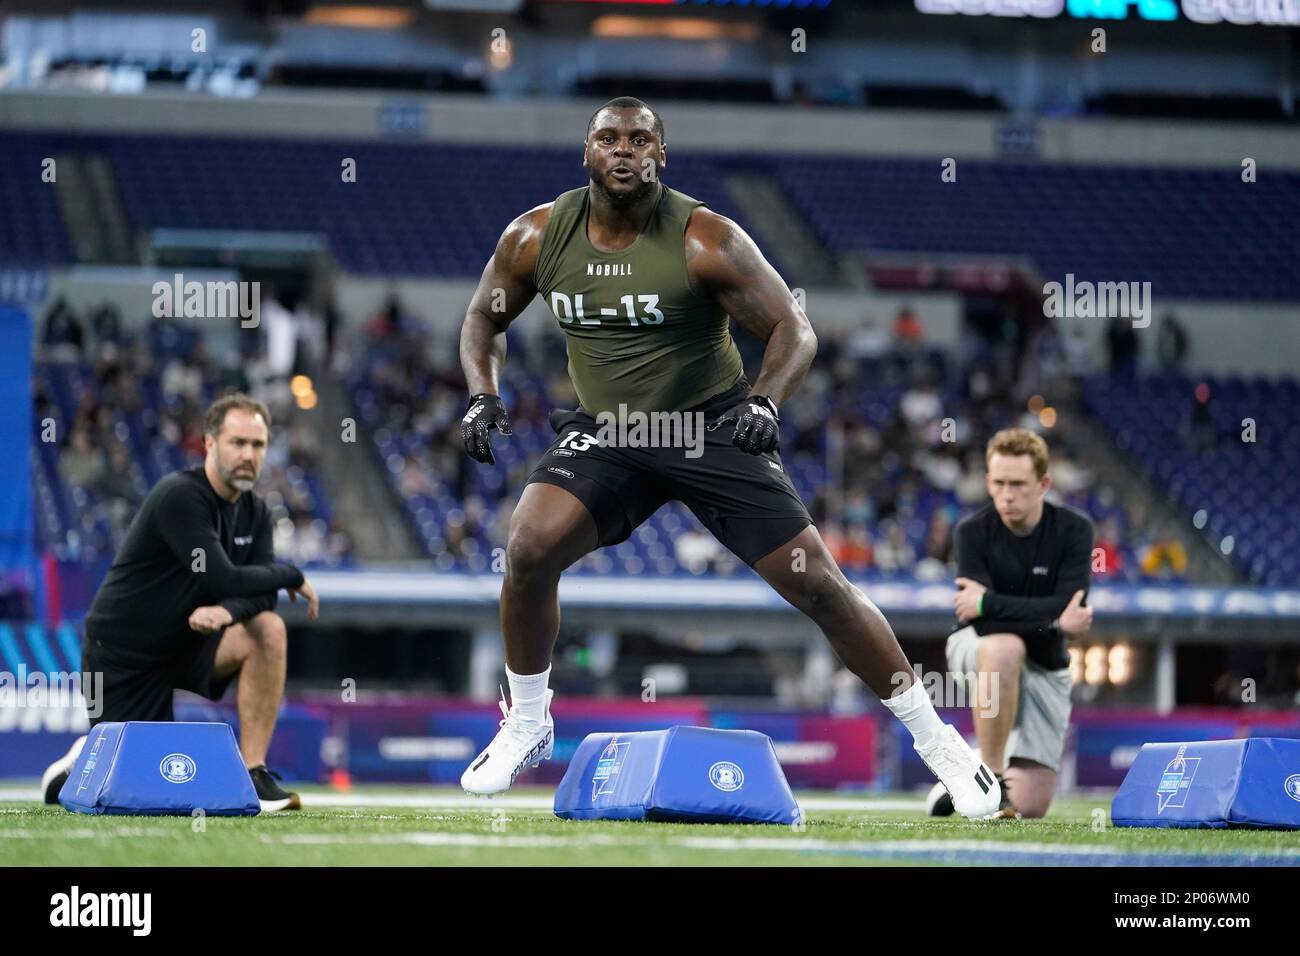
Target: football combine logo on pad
(608, 767)
(726, 776)
(177, 768)
(1292, 786)
(1176, 781)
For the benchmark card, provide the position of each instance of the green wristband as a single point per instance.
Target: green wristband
(979, 608)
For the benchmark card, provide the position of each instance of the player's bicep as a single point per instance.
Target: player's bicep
(729, 265)
(501, 294)
(506, 286)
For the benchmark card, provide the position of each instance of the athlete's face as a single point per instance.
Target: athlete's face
(623, 155)
(238, 449)
(1016, 489)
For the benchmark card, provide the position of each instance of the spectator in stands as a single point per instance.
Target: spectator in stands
(338, 543)
(921, 404)
(1171, 343)
(414, 480)
(168, 339)
(1108, 558)
(698, 552)
(868, 347)
(388, 322)
(859, 508)
(1123, 345)
(81, 464)
(853, 551)
(893, 552)
(63, 331)
(1068, 476)
(118, 480)
(941, 466)
(1199, 433)
(119, 388)
(281, 331)
(1078, 349)
(304, 445)
(106, 323)
(1164, 557)
(937, 548)
(908, 342)
(908, 332)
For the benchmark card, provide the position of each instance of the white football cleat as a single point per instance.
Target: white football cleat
(56, 774)
(519, 743)
(975, 791)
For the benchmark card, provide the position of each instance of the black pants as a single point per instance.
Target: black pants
(747, 501)
(138, 687)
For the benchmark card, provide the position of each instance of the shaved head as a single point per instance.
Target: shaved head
(629, 103)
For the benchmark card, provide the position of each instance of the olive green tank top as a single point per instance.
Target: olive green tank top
(637, 335)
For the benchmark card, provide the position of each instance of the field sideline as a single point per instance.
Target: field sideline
(423, 826)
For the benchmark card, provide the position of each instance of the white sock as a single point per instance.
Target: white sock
(914, 709)
(528, 693)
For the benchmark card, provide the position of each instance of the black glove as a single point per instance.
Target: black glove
(485, 413)
(758, 430)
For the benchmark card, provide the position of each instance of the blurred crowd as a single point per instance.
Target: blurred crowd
(162, 379)
(899, 429)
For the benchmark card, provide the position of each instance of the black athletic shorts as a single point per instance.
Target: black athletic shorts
(136, 687)
(747, 501)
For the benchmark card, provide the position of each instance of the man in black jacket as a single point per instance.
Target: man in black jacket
(189, 601)
(1024, 567)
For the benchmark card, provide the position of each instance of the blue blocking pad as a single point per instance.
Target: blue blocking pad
(155, 769)
(682, 774)
(1253, 782)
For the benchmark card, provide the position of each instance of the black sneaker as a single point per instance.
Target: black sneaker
(270, 794)
(57, 773)
(939, 802)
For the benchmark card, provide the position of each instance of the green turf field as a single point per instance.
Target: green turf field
(875, 830)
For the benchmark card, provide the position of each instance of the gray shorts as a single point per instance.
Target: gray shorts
(1043, 715)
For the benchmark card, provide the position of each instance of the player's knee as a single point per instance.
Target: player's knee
(529, 558)
(1000, 652)
(269, 632)
(1032, 809)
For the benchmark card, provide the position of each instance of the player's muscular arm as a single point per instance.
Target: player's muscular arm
(505, 288)
(724, 263)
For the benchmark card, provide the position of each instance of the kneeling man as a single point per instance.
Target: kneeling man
(1024, 567)
(189, 601)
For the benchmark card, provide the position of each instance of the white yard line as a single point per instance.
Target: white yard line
(914, 849)
(939, 851)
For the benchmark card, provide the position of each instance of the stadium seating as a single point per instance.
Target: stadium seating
(1238, 493)
(439, 209)
(1190, 232)
(83, 521)
(411, 412)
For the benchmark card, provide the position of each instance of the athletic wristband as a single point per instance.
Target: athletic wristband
(979, 608)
